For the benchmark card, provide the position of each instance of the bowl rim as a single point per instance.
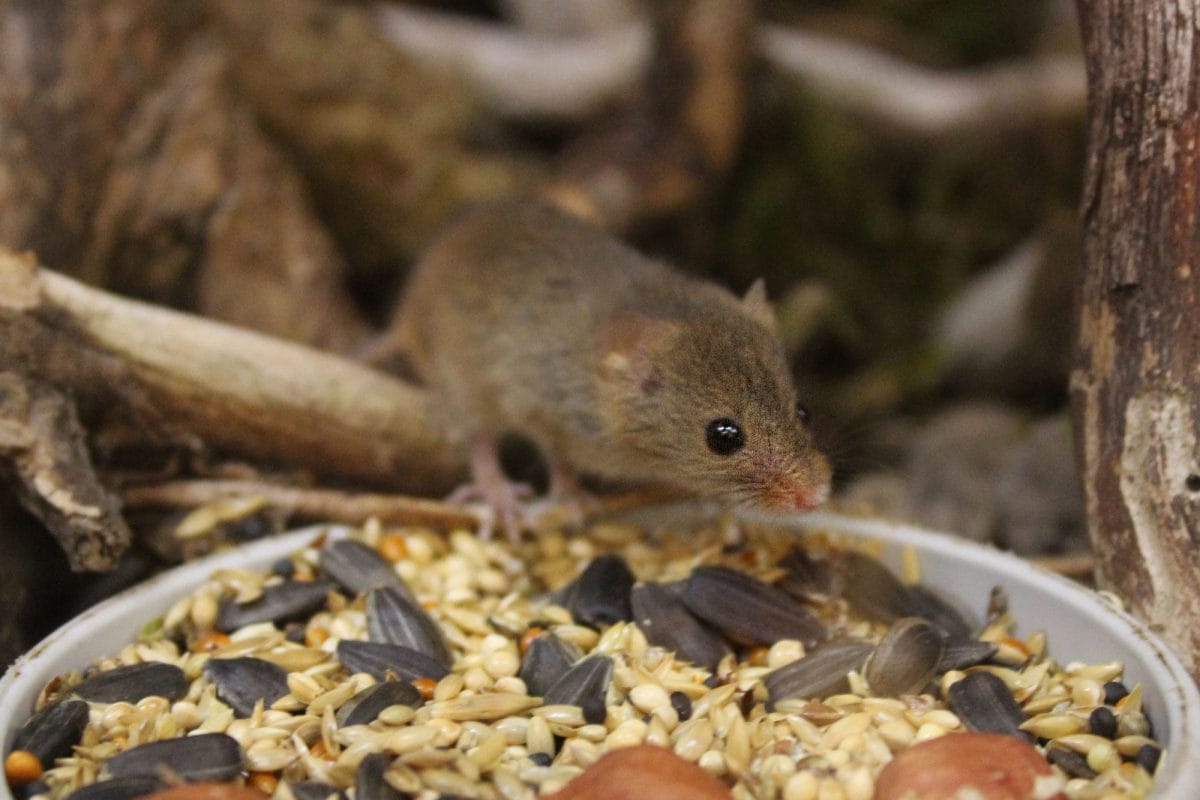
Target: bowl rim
(68, 647)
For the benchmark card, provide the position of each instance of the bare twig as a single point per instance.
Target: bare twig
(240, 392)
(522, 75)
(352, 508)
(868, 81)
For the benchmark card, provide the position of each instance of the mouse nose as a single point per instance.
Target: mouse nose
(808, 498)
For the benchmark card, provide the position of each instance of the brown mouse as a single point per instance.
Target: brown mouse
(525, 319)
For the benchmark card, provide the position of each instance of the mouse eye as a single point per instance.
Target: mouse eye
(802, 413)
(724, 436)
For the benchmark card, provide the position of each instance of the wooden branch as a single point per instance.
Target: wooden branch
(521, 75)
(868, 81)
(44, 451)
(352, 508)
(1135, 389)
(240, 392)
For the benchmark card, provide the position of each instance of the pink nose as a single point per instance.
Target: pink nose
(809, 498)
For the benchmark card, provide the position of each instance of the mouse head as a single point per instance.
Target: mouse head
(707, 403)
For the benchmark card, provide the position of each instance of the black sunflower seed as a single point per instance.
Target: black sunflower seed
(281, 604)
(358, 568)
(53, 731)
(203, 757)
(365, 706)
(394, 619)
(133, 682)
(242, 682)
(747, 610)
(820, 673)
(599, 596)
(545, 661)
(125, 788)
(985, 703)
(584, 685)
(666, 622)
(377, 659)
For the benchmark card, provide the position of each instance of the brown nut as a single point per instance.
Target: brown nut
(207, 791)
(643, 772)
(995, 766)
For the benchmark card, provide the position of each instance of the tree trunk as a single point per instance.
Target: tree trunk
(1135, 389)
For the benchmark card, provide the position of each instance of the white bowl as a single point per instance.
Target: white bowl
(1079, 626)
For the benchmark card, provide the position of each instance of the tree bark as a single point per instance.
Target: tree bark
(1135, 389)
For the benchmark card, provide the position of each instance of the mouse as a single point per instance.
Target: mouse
(525, 319)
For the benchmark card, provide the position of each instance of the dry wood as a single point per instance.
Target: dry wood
(239, 392)
(902, 95)
(1136, 386)
(352, 508)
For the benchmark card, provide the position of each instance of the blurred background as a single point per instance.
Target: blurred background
(903, 173)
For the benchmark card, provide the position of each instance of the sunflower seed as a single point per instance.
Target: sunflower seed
(906, 658)
(365, 706)
(242, 682)
(747, 610)
(985, 703)
(287, 602)
(600, 595)
(666, 622)
(369, 783)
(820, 673)
(358, 568)
(584, 685)
(545, 661)
(132, 682)
(53, 731)
(962, 653)
(806, 577)
(124, 788)
(928, 605)
(377, 659)
(312, 790)
(394, 619)
(203, 757)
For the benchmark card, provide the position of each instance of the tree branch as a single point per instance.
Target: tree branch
(243, 393)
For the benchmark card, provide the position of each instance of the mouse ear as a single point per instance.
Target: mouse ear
(756, 304)
(628, 346)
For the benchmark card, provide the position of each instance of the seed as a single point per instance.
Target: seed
(424, 686)
(1147, 758)
(528, 636)
(393, 547)
(246, 681)
(1113, 692)
(682, 705)
(1052, 726)
(600, 595)
(53, 731)
(264, 782)
(213, 640)
(208, 756)
(482, 706)
(1103, 756)
(664, 619)
(801, 786)
(648, 696)
(1103, 722)
(502, 664)
(22, 767)
(694, 739)
(394, 618)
